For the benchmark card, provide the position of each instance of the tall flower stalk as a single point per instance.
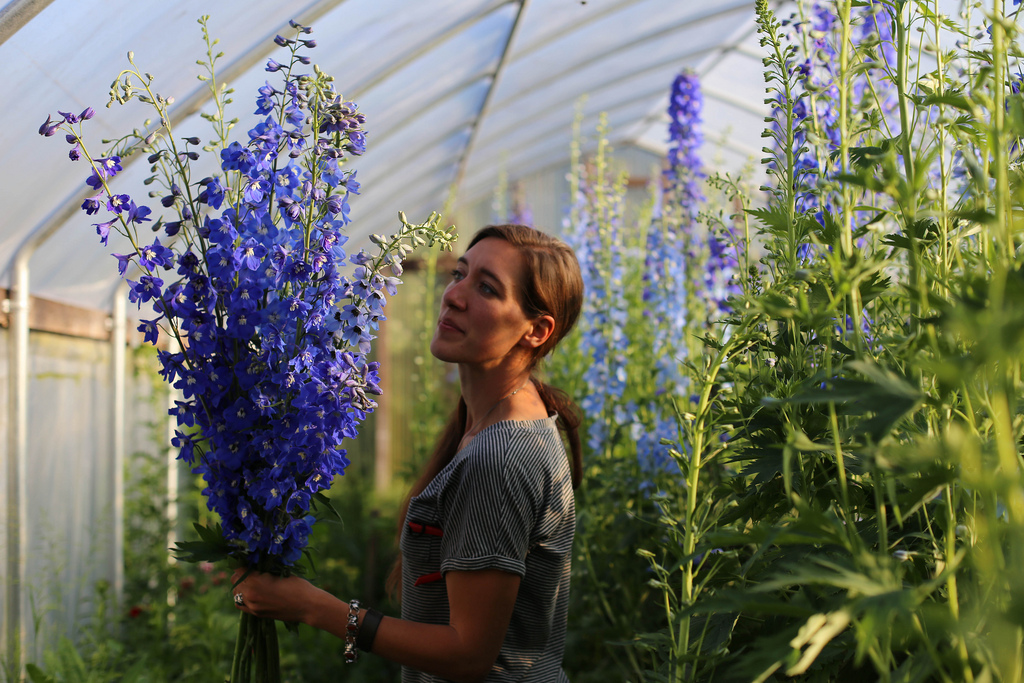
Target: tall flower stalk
(273, 319)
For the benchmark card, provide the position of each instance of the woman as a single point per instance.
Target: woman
(487, 530)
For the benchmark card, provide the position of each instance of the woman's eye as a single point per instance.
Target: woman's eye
(457, 275)
(486, 288)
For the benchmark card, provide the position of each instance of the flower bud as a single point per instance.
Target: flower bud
(87, 114)
(804, 275)
(49, 127)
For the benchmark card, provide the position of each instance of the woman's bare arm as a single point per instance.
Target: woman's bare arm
(480, 608)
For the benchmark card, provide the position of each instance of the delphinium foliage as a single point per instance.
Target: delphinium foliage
(864, 517)
(272, 320)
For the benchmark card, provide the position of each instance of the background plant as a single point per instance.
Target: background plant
(644, 312)
(871, 395)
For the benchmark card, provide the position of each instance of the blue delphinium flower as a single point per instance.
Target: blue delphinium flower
(686, 263)
(625, 346)
(817, 107)
(273, 375)
(818, 72)
(596, 238)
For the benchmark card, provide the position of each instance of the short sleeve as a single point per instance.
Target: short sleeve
(490, 508)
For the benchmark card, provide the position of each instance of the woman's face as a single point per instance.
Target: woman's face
(481, 319)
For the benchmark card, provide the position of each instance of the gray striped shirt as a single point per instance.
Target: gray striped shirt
(504, 502)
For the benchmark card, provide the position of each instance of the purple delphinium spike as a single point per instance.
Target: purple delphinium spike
(274, 377)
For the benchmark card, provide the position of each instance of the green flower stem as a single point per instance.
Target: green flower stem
(837, 447)
(907, 199)
(257, 656)
(769, 25)
(953, 503)
(878, 488)
(941, 132)
(240, 638)
(697, 439)
(259, 653)
(846, 246)
(846, 234)
(998, 133)
(1009, 458)
(604, 217)
(930, 647)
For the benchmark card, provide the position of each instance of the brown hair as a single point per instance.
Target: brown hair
(551, 285)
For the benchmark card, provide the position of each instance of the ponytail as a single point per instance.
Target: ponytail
(569, 419)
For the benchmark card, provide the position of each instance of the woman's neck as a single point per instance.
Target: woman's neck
(482, 391)
(491, 397)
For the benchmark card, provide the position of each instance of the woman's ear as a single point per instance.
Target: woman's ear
(541, 329)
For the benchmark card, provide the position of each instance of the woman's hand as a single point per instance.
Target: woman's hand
(289, 598)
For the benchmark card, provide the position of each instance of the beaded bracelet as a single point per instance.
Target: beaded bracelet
(352, 632)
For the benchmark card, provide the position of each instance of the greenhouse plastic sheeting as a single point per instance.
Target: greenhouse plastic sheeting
(457, 91)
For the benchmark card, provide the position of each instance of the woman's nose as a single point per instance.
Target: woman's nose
(453, 295)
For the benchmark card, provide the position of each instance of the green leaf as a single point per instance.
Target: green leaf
(816, 633)
(37, 675)
(211, 546)
(802, 443)
(323, 500)
(974, 216)
(864, 180)
(775, 218)
(867, 157)
(950, 98)
(925, 231)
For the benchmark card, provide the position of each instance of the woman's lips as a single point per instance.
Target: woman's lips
(444, 324)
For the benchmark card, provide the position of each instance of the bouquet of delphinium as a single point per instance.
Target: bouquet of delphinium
(273, 322)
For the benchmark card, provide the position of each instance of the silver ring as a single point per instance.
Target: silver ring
(239, 600)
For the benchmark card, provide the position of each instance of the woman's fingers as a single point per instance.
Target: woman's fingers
(239, 582)
(265, 595)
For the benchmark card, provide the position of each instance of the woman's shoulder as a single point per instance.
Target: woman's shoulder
(512, 434)
(511, 445)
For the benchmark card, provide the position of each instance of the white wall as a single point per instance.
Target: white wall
(70, 475)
